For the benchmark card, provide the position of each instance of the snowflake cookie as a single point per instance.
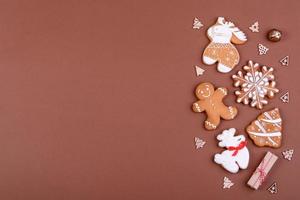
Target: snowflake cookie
(255, 84)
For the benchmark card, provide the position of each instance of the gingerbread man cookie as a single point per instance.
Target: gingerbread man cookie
(237, 155)
(210, 101)
(220, 49)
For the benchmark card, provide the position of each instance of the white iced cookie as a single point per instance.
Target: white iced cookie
(237, 155)
(223, 35)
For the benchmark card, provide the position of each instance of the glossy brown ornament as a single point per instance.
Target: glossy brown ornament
(274, 35)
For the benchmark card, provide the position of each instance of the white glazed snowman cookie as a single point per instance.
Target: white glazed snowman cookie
(220, 49)
(237, 155)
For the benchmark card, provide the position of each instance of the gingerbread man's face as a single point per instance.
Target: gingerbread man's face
(204, 90)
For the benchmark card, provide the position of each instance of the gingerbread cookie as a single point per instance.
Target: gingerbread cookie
(210, 101)
(220, 49)
(255, 84)
(237, 155)
(266, 130)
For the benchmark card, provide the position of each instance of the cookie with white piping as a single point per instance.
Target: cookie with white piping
(266, 130)
(211, 102)
(223, 34)
(236, 156)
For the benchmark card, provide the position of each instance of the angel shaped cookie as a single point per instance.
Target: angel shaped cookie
(220, 49)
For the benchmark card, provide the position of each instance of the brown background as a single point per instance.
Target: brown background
(96, 97)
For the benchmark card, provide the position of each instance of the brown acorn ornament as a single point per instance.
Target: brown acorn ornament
(274, 35)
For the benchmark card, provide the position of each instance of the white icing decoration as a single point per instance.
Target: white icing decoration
(273, 142)
(256, 83)
(223, 68)
(208, 60)
(231, 111)
(210, 124)
(260, 126)
(275, 121)
(226, 159)
(271, 120)
(259, 82)
(264, 134)
(222, 32)
(223, 91)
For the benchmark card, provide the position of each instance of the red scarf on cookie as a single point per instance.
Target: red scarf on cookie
(236, 149)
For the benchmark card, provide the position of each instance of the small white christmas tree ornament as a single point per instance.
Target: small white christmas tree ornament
(273, 188)
(227, 183)
(254, 27)
(262, 50)
(199, 143)
(197, 23)
(288, 154)
(285, 61)
(199, 71)
(285, 98)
